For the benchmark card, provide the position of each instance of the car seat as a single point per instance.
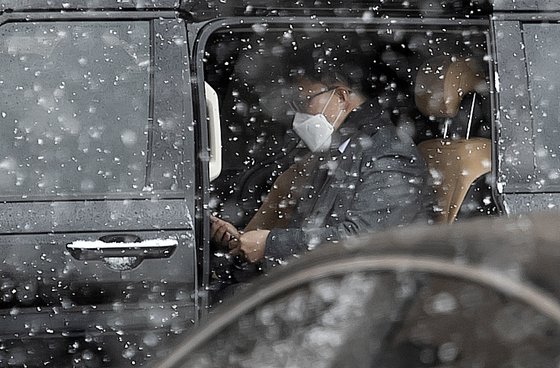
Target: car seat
(455, 164)
(276, 210)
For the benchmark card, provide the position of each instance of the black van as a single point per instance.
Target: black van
(126, 123)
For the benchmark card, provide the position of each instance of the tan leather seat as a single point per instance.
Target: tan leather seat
(455, 164)
(277, 208)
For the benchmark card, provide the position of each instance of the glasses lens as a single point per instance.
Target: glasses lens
(300, 104)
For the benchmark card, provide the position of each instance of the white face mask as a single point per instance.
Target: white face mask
(315, 130)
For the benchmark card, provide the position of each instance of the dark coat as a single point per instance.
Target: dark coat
(378, 181)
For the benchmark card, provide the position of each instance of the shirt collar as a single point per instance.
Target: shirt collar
(343, 146)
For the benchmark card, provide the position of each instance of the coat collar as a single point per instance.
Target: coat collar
(365, 119)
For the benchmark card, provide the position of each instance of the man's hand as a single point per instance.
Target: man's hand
(252, 244)
(224, 233)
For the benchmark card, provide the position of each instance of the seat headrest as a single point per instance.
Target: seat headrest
(442, 82)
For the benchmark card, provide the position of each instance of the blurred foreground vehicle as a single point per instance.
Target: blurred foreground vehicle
(484, 294)
(125, 123)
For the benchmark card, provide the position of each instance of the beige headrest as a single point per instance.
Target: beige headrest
(442, 82)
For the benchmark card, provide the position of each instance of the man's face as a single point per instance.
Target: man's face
(316, 98)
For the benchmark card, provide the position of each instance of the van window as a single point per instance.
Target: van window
(74, 107)
(245, 66)
(543, 54)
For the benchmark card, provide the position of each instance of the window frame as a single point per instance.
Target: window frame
(199, 36)
(515, 123)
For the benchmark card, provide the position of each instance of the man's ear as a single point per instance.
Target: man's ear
(343, 95)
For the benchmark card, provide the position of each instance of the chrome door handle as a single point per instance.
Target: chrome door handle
(121, 246)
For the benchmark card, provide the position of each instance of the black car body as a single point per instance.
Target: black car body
(98, 214)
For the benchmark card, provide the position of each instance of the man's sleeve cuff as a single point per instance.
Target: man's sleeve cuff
(282, 243)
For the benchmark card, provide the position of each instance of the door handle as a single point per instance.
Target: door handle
(121, 245)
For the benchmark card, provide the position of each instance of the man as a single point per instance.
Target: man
(360, 177)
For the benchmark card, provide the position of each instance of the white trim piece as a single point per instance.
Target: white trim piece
(343, 146)
(98, 244)
(214, 132)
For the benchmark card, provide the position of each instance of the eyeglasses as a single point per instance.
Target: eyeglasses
(301, 104)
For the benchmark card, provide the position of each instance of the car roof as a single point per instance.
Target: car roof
(212, 9)
(207, 9)
(27, 5)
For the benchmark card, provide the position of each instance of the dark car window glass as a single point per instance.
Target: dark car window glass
(74, 107)
(172, 140)
(543, 51)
